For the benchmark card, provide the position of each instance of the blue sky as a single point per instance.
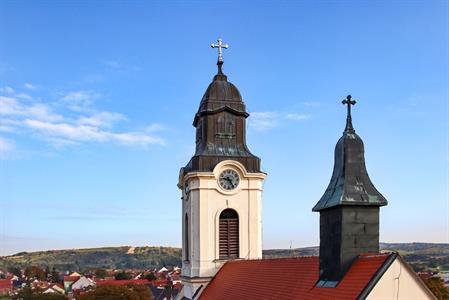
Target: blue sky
(98, 98)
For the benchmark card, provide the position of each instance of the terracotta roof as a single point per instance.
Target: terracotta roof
(5, 284)
(289, 278)
(71, 278)
(57, 285)
(122, 282)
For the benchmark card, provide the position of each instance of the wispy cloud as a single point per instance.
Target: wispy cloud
(11, 106)
(80, 100)
(112, 64)
(69, 121)
(6, 147)
(29, 86)
(6, 90)
(83, 133)
(102, 119)
(311, 103)
(264, 121)
(297, 117)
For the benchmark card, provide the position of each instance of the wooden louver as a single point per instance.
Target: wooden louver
(229, 234)
(186, 238)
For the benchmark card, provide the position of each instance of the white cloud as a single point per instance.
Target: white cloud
(264, 121)
(112, 63)
(12, 107)
(154, 127)
(6, 128)
(102, 119)
(84, 133)
(77, 133)
(297, 117)
(6, 90)
(311, 103)
(6, 146)
(23, 96)
(29, 86)
(80, 100)
(83, 124)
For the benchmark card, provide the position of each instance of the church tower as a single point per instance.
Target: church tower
(221, 188)
(349, 208)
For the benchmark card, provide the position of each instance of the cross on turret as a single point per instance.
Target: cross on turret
(348, 101)
(220, 45)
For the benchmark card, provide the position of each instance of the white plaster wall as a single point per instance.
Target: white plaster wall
(399, 283)
(204, 203)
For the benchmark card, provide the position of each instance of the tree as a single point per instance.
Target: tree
(436, 285)
(119, 292)
(15, 271)
(123, 276)
(150, 276)
(29, 294)
(35, 272)
(101, 273)
(54, 275)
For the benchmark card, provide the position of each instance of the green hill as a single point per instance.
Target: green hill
(422, 256)
(108, 257)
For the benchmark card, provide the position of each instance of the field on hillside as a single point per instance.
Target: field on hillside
(422, 257)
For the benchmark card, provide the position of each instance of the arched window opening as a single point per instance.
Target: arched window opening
(229, 234)
(186, 238)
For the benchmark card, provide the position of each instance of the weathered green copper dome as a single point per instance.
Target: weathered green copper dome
(350, 183)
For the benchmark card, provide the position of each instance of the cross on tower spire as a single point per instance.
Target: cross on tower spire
(348, 101)
(220, 46)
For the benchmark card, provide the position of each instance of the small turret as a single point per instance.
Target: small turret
(349, 208)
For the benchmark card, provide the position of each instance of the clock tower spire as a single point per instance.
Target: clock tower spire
(221, 187)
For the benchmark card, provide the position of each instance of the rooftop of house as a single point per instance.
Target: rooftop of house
(5, 284)
(122, 282)
(71, 278)
(284, 277)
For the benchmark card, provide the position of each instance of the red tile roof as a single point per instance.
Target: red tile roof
(58, 285)
(5, 284)
(288, 278)
(71, 278)
(122, 282)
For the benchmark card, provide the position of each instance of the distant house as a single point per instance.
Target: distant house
(55, 289)
(5, 287)
(122, 282)
(162, 272)
(68, 281)
(82, 283)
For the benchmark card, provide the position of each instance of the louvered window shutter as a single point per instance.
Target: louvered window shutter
(186, 238)
(229, 234)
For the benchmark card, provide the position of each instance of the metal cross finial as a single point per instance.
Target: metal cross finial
(220, 45)
(348, 101)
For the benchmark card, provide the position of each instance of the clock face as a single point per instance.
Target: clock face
(229, 179)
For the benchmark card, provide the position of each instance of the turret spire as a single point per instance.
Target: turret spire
(220, 46)
(349, 208)
(348, 101)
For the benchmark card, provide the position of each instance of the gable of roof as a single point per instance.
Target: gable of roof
(289, 278)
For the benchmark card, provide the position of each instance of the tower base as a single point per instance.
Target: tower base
(193, 287)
